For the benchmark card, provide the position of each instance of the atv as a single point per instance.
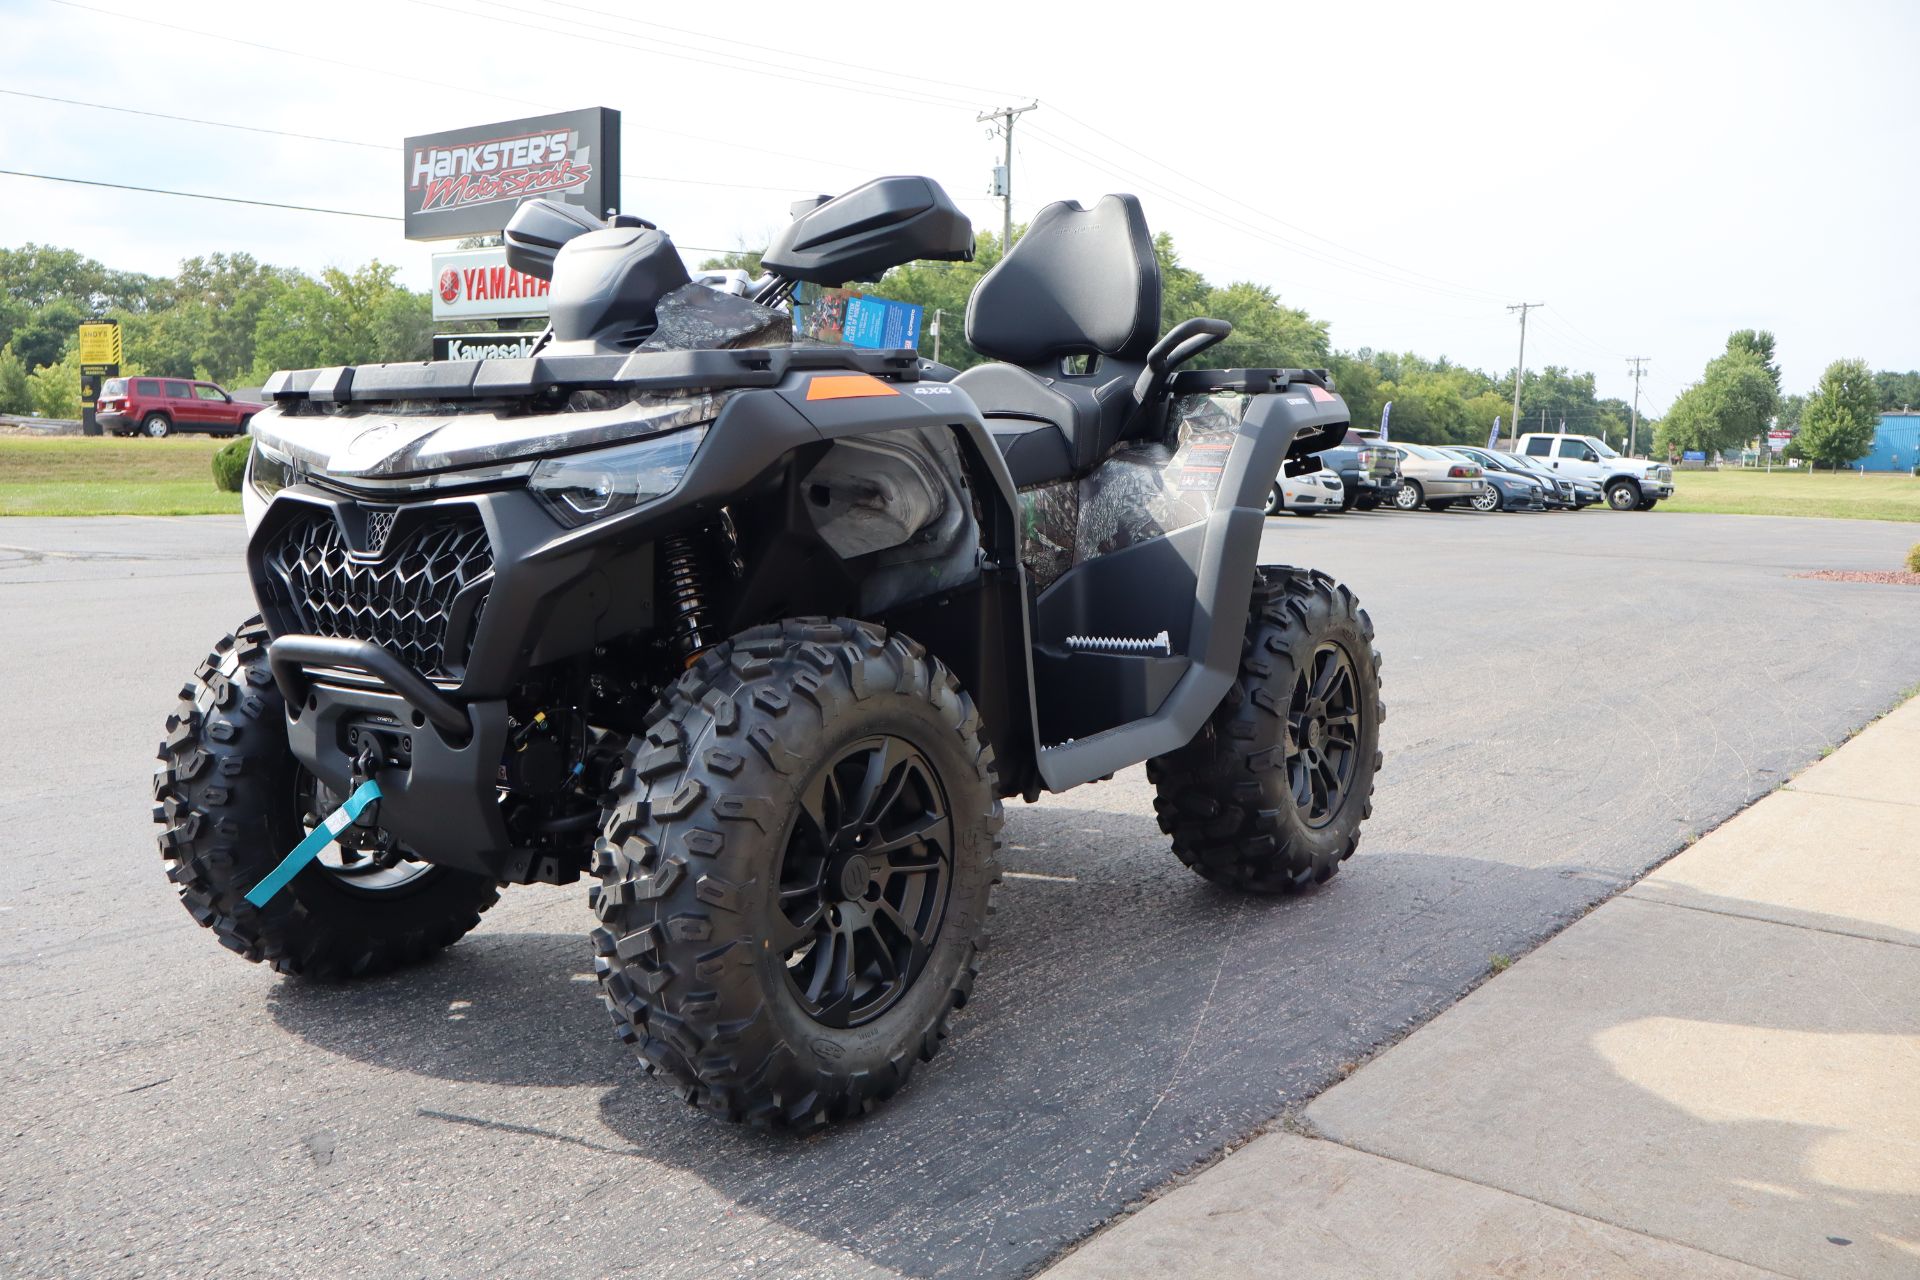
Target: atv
(761, 633)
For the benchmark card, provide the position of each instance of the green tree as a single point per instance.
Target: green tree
(55, 388)
(1731, 405)
(1898, 390)
(339, 319)
(1757, 343)
(747, 260)
(16, 393)
(1787, 416)
(1841, 415)
(1266, 333)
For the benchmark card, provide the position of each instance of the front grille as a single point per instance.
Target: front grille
(417, 594)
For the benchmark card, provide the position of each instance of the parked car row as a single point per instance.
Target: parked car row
(1549, 471)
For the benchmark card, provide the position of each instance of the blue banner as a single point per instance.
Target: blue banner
(880, 324)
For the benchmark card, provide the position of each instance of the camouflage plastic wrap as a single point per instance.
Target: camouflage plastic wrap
(694, 318)
(1141, 491)
(1049, 516)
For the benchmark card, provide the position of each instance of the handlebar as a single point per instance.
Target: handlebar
(1185, 341)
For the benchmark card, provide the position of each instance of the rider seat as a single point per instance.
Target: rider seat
(1071, 313)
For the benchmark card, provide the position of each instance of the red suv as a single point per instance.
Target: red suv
(161, 406)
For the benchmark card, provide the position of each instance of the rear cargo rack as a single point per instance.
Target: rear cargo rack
(640, 371)
(1189, 382)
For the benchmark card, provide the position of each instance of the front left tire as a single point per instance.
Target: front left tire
(796, 873)
(232, 801)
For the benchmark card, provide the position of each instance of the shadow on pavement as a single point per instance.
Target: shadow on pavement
(1130, 1021)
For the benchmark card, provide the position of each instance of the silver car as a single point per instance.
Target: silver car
(1435, 480)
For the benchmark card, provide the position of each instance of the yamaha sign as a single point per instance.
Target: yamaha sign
(477, 284)
(469, 181)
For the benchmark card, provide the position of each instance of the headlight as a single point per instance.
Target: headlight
(269, 472)
(588, 486)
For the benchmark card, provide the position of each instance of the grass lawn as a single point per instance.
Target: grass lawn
(105, 476)
(1846, 495)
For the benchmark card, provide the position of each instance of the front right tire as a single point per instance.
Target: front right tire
(1623, 495)
(796, 873)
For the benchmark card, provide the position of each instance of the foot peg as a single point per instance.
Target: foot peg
(1160, 646)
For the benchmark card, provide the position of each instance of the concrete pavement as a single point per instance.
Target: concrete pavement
(1558, 726)
(1713, 1074)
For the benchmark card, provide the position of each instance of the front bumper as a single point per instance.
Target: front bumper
(464, 593)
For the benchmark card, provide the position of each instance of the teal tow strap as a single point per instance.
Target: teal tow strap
(317, 839)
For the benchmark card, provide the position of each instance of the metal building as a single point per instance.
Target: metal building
(1896, 445)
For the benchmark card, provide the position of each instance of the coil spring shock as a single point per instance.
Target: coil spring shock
(692, 562)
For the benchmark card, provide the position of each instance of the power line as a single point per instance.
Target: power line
(200, 195)
(731, 40)
(293, 53)
(442, 84)
(602, 38)
(1520, 368)
(217, 124)
(375, 146)
(1004, 119)
(1639, 364)
(1161, 191)
(1255, 209)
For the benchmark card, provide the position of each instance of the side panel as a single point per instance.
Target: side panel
(1224, 578)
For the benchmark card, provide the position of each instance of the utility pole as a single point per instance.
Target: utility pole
(937, 313)
(1639, 364)
(1520, 369)
(1004, 119)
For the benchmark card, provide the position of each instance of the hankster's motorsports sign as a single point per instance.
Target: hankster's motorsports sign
(468, 182)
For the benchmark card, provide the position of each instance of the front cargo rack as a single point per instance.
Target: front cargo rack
(640, 371)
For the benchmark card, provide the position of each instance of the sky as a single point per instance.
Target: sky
(1657, 174)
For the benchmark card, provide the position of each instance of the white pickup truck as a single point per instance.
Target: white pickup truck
(1631, 484)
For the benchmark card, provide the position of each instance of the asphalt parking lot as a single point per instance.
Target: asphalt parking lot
(1571, 698)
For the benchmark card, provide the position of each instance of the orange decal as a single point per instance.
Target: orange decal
(847, 386)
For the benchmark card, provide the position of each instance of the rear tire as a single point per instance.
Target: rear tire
(1648, 504)
(227, 794)
(1367, 504)
(1410, 496)
(156, 426)
(1440, 504)
(1250, 801)
(750, 801)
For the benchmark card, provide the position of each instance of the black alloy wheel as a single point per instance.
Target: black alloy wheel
(863, 886)
(1323, 735)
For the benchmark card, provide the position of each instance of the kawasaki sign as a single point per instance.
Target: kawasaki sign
(469, 181)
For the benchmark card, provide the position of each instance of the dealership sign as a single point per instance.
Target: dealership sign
(469, 181)
(477, 284)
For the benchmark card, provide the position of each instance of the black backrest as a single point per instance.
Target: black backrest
(1081, 281)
